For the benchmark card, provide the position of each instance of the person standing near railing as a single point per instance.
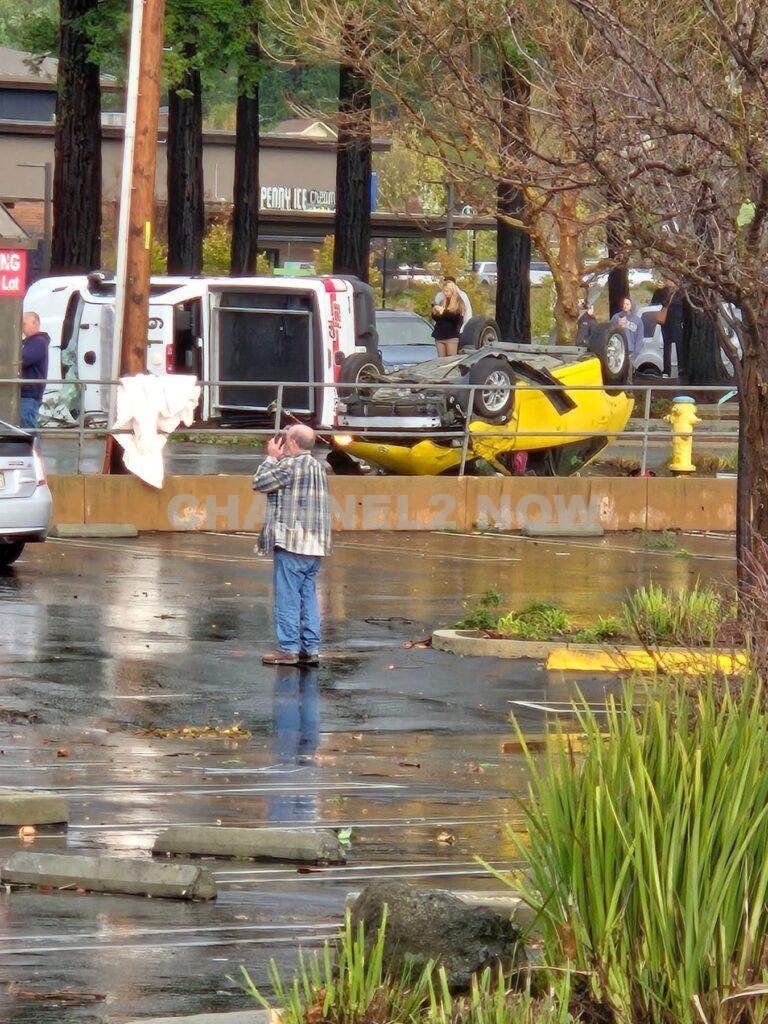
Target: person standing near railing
(297, 533)
(34, 368)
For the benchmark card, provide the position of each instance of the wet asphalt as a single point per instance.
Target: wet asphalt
(102, 643)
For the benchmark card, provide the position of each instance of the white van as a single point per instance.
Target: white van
(227, 331)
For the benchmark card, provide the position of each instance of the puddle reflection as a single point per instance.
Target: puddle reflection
(296, 720)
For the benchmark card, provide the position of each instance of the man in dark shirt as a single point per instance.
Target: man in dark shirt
(34, 367)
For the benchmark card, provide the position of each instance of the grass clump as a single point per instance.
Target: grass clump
(688, 618)
(646, 856)
(666, 541)
(344, 984)
(490, 1001)
(606, 628)
(483, 612)
(538, 621)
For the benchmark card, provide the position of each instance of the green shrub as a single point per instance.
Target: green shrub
(542, 311)
(688, 618)
(647, 858)
(606, 628)
(483, 612)
(217, 258)
(539, 621)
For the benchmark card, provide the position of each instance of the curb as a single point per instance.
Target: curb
(567, 657)
(467, 643)
(228, 1017)
(127, 876)
(315, 846)
(72, 531)
(21, 807)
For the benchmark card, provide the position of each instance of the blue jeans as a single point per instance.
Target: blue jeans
(29, 407)
(297, 617)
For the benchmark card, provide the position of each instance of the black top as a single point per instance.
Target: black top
(34, 364)
(447, 327)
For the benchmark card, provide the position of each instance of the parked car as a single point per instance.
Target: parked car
(486, 272)
(539, 270)
(522, 422)
(25, 500)
(405, 338)
(648, 359)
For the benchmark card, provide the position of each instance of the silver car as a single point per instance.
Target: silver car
(25, 500)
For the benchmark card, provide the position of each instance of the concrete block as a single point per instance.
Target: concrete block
(553, 530)
(109, 874)
(307, 845)
(71, 531)
(231, 1017)
(18, 807)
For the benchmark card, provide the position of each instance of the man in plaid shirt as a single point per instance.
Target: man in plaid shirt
(297, 532)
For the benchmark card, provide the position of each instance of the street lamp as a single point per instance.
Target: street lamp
(47, 169)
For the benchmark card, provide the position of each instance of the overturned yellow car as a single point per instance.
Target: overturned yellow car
(544, 411)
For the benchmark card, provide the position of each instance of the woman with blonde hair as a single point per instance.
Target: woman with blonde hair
(448, 313)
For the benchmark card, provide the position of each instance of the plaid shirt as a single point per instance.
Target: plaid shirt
(298, 516)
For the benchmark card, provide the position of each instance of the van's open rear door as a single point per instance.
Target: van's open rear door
(262, 335)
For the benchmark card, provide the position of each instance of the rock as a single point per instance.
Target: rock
(432, 924)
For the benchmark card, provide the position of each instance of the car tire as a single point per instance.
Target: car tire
(479, 332)
(359, 368)
(492, 403)
(9, 552)
(609, 343)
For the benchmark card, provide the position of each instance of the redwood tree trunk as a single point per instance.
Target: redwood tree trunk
(186, 208)
(755, 421)
(245, 214)
(700, 356)
(513, 244)
(352, 224)
(76, 244)
(618, 276)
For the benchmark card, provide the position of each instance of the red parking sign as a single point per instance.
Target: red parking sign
(13, 272)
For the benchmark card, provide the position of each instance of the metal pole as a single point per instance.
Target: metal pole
(384, 275)
(646, 423)
(450, 200)
(465, 442)
(137, 196)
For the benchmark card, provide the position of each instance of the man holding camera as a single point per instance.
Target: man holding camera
(297, 532)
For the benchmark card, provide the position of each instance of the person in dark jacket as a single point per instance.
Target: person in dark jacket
(34, 367)
(670, 316)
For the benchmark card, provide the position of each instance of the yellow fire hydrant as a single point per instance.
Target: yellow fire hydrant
(683, 419)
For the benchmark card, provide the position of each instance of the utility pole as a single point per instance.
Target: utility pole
(137, 200)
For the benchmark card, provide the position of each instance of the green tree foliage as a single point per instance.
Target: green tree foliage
(29, 26)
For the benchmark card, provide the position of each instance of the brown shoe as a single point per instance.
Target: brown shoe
(280, 658)
(309, 659)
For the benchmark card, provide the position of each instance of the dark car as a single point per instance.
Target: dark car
(404, 338)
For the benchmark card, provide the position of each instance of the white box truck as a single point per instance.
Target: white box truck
(226, 331)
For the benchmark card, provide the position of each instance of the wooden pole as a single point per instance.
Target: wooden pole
(137, 201)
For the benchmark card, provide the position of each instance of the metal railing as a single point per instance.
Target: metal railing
(92, 425)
